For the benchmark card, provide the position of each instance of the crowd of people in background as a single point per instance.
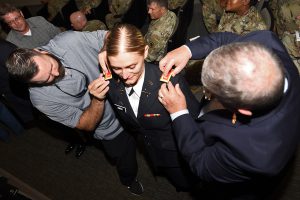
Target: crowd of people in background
(97, 68)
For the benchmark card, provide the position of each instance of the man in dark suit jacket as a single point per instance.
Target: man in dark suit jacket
(249, 130)
(133, 78)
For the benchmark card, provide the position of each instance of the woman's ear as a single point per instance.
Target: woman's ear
(146, 51)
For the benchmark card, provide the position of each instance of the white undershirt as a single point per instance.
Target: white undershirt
(28, 33)
(134, 99)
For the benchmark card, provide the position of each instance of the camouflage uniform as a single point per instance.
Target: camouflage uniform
(173, 4)
(87, 4)
(158, 34)
(288, 13)
(275, 6)
(252, 21)
(117, 8)
(54, 7)
(94, 25)
(211, 11)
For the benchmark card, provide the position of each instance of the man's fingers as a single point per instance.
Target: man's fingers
(98, 83)
(168, 66)
(163, 90)
(178, 90)
(177, 70)
(171, 87)
(162, 64)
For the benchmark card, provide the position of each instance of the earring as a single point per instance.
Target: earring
(233, 120)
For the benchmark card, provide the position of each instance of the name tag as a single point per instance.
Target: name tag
(119, 107)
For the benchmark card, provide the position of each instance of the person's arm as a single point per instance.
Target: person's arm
(210, 162)
(91, 117)
(196, 49)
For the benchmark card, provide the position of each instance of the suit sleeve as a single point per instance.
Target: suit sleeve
(202, 46)
(210, 162)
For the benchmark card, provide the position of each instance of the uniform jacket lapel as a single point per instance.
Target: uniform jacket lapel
(149, 92)
(120, 98)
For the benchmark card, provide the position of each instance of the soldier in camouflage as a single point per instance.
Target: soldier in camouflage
(162, 25)
(241, 18)
(289, 15)
(54, 7)
(212, 10)
(275, 6)
(85, 6)
(174, 4)
(79, 23)
(117, 9)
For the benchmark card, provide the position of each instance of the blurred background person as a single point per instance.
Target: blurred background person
(26, 33)
(79, 22)
(241, 17)
(212, 11)
(289, 19)
(162, 25)
(117, 10)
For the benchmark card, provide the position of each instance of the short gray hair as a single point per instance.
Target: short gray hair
(244, 75)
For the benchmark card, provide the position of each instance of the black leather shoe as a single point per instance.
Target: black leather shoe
(79, 150)
(136, 188)
(69, 148)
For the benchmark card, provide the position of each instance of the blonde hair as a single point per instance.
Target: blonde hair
(125, 38)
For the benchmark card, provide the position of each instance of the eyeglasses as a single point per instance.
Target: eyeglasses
(15, 20)
(80, 93)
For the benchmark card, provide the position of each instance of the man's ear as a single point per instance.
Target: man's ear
(146, 51)
(245, 112)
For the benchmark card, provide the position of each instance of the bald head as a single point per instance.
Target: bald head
(244, 76)
(78, 20)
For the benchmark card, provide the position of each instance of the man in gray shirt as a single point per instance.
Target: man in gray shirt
(26, 33)
(64, 77)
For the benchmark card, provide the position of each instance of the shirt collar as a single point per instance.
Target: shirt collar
(138, 86)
